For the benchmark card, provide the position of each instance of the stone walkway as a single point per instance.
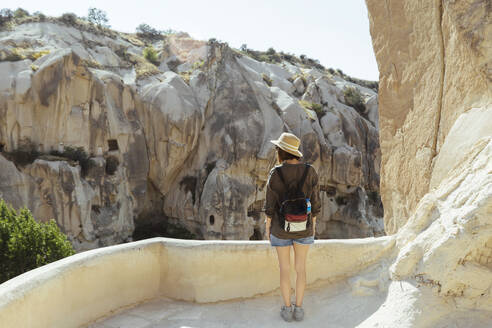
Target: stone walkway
(329, 306)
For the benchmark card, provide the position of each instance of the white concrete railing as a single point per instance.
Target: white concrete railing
(83, 287)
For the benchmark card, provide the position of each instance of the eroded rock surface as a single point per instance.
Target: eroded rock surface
(436, 161)
(434, 60)
(184, 141)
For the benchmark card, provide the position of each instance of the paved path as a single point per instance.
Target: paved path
(332, 306)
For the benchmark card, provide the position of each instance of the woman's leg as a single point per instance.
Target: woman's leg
(283, 254)
(300, 255)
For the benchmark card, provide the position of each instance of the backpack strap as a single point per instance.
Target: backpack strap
(301, 182)
(280, 175)
(303, 179)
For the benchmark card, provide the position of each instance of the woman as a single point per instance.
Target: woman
(291, 174)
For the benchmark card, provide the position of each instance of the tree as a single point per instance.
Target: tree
(26, 244)
(20, 13)
(147, 31)
(6, 15)
(98, 17)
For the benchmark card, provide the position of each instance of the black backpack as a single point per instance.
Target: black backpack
(293, 204)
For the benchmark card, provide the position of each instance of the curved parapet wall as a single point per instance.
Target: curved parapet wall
(78, 289)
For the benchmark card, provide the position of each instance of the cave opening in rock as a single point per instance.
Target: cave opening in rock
(161, 227)
(113, 144)
(256, 234)
(211, 219)
(112, 163)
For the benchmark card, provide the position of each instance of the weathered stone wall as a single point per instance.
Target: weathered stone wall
(434, 60)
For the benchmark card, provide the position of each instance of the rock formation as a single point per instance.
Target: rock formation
(435, 118)
(115, 142)
(432, 69)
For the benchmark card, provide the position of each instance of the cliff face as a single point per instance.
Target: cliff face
(436, 141)
(183, 142)
(434, 59)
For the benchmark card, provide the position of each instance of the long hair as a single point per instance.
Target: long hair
(282, 155)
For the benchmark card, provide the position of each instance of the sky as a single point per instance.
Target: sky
(336, 32)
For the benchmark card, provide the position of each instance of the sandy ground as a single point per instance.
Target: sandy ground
(330, 306)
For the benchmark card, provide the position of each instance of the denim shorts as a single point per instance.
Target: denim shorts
(274, 241)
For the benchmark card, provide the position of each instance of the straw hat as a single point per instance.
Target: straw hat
(289, 143)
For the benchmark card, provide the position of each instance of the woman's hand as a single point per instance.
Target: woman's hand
(314, 226)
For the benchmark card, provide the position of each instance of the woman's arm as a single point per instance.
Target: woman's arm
(314, 226)
(268, 223)
(270, 202)
(315, 200)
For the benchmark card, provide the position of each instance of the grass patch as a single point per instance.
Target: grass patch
(267, 79)
(143, 68)
(38, 54)
(150, 54)
(91, 63)
(354, 99)
(295, 76)
(198, 65)
(13, 54)
(21, 53)
(317, 108)
(186, 76)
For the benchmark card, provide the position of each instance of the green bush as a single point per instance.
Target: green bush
(69, 18)
(26, 244)
(354, 98)
(271, 52)
(147, 31)
(150, 54)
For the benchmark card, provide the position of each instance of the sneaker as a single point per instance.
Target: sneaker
(298, 313)
(286, 313)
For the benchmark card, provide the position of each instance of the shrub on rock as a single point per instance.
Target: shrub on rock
(354, 99)
(20, 13)
(69, 18)
(147, 31)
(150, 54)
